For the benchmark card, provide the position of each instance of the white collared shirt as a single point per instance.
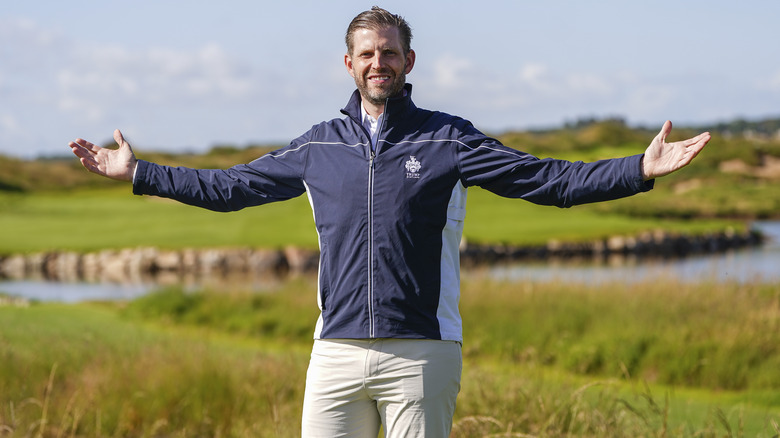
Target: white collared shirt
(371, 124)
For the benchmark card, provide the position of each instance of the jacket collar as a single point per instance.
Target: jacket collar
(394, 107)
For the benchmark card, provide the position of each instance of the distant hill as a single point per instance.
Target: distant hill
(736, 176)
(767, 128)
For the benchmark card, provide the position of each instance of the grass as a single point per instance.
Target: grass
(89, 220)
(541, 359)
(492, 219)
(55, 204)
(86, 372)
(714, 336)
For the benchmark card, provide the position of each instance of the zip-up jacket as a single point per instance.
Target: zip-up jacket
(389, 221)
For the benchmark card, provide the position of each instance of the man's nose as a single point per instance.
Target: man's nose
(378, 61)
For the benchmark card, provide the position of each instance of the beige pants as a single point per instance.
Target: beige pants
(408, 386)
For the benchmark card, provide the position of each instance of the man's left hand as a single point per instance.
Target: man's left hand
(662, 158)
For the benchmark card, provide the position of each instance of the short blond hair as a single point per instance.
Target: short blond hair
(378, 18)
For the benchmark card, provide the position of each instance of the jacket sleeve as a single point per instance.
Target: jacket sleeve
(511, 173)
(275, 176)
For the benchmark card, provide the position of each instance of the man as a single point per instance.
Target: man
(387, 184)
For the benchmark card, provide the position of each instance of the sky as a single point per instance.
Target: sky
(184, 76)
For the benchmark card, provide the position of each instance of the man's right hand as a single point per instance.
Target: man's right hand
(116, 164)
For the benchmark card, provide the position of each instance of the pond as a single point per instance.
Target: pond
(760, 264)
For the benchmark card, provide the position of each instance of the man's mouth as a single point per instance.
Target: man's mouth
(379, 78)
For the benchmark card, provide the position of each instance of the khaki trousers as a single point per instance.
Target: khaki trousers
(408, 386)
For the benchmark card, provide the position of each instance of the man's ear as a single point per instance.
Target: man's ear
(348, 64)
(410, 57)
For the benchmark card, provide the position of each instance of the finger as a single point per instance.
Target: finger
(80, 151)
(665, 130)
(90, 164)
(704, 137)
(84, 146)
(699, 141)
(120, 139)
(86, 158)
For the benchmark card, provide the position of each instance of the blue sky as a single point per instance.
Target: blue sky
(184, 76)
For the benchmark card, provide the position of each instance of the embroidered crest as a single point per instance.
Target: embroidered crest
(413, 168)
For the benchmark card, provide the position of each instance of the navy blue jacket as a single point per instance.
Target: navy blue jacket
(389, 222)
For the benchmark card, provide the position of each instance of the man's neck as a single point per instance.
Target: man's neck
(373, 110)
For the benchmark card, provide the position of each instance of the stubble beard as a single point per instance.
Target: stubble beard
(380, 96)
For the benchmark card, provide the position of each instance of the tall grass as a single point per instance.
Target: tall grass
(716, 336)
(540, 359)
(81, 371)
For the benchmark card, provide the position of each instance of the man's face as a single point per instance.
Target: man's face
(378, 64)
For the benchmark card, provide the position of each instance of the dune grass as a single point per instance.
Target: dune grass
(82, 371)
(540, 359)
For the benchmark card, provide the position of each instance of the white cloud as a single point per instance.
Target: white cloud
(452, 72)
(66, 84)
(772, 83)
(254, 82)
(156, 76)
(533, 73)
(8, 122)
(530, 94)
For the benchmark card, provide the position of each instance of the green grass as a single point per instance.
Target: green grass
(83, 371)
(541, 359)
(715, 336)
(89, 220)
(55, 204)
(492, 219)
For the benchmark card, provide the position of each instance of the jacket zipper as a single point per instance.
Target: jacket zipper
(370, 238)
(371, 244)
(372, 155)
(374, 150)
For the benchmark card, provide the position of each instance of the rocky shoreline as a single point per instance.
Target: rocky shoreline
(657, 244)
(136, 265)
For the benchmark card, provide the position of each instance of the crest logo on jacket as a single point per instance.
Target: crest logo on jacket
(413, 168)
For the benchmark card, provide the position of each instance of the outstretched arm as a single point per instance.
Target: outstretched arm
(662, 158)
(116, 164)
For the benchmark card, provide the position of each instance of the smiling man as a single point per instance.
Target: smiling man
(378, 58)
(387, 184)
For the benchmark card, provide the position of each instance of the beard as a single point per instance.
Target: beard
(378, 95)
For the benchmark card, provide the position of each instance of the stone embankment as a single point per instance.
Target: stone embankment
(138, 265)
(157, 265)
(651, 244)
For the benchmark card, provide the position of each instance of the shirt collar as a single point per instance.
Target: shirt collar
(370, 123)
(365, 116)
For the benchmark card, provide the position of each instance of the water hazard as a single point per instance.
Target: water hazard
(755, 264)
(760, 264)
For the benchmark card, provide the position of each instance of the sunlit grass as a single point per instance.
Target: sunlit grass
(88, 220)
(540, 359)
(492, 219)
(81, 371)
(96, 219)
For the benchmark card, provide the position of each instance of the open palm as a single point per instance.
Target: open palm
(116, 164)
(662, 158)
